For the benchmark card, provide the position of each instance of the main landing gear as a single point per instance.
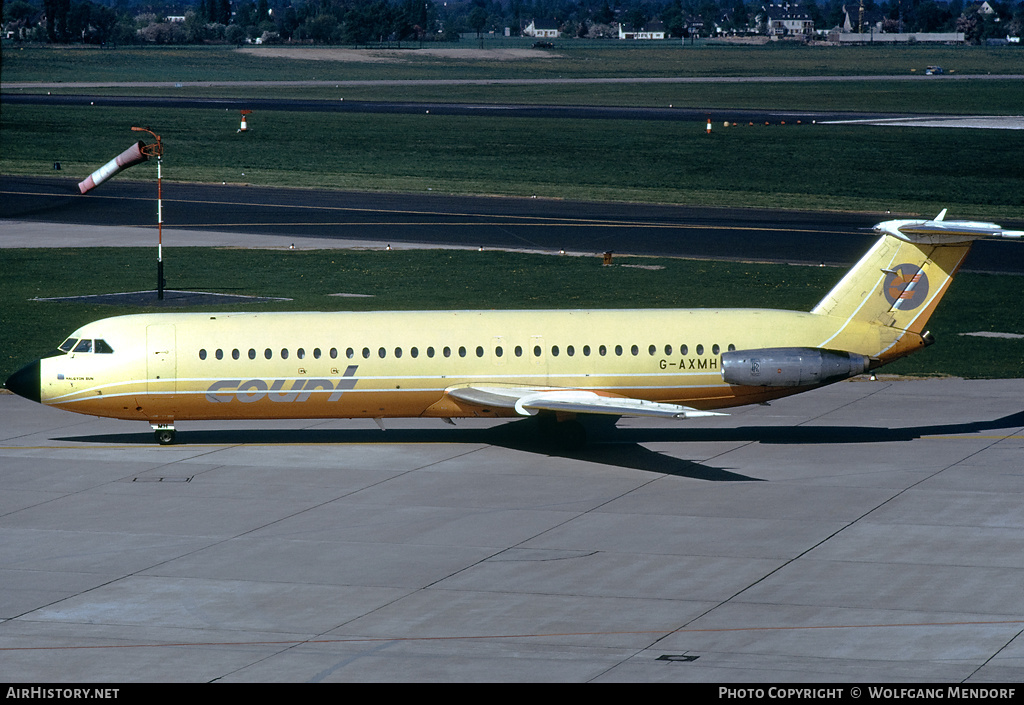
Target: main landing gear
(574, 432)
(567, 435)
(164, 433)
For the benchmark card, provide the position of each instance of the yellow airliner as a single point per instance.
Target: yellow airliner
(170, 367)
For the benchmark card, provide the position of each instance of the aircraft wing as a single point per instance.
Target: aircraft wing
(527, 402)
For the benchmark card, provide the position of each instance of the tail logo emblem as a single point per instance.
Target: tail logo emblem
(905, 287)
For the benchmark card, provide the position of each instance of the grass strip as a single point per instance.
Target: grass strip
(570, 59)
(793, 166)
(455, 279)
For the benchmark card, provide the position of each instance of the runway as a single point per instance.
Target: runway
(864, 532)
(583, 112)
(251, 216)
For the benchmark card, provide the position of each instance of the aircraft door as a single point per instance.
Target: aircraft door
(161, 360)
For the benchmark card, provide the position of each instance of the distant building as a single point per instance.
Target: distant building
(787, 20)
(868, 37)
(651, 30)
(547, 29)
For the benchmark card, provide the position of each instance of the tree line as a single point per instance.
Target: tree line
(361, 22)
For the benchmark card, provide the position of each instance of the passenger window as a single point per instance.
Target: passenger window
(101, 346)
(430, 352)
(554, 351)
(683, 350)
(316, 353)
(252, 353)
(284, 353)
(235, 354)
(700, 349)
(635, 350)
(618, 350)
(202, 354)
(268, 353)
(586, 351)
(366, 353)
(652, 350)
(715, 349)
(301, 354)
(447, 352)
(219, 354)
(381, 353)
(731, 347)
(570, 350)
(415, 352)
(537, 351)
(398, 352)
(498, 352)
(668, 349)
(479, 351)
(602, 351)
(519, 351)
(462, 351)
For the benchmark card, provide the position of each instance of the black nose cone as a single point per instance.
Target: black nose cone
(25, 382)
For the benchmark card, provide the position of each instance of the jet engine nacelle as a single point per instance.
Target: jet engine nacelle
(129, 157)
(790, 367)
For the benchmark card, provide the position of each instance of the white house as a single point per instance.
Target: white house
(651, 30)
(788, 21)
(547, 29)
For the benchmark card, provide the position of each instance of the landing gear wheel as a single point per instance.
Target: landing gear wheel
(164, 436)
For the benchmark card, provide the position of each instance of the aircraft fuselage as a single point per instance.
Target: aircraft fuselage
(400, 364)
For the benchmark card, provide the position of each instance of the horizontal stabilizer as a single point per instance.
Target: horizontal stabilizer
(940, 231)
(528, 402)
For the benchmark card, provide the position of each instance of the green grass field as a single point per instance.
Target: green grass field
(445, 279)
(807, 166)
(571, 58)
(848, 168)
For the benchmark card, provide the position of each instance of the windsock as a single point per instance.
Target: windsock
(129, 157)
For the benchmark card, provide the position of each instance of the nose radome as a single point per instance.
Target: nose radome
(25, 382)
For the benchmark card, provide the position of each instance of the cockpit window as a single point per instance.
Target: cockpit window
(100, 346)
(84, 346)
(68, 345)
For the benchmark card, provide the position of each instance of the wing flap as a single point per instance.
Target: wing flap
(528, 402)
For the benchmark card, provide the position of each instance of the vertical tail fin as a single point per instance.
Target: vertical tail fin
(896, 284)
(901, 280)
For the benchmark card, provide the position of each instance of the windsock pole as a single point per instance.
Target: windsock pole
(157, 150)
